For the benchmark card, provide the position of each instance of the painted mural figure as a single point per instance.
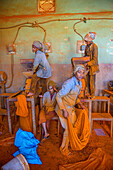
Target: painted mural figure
(48, 107)
(68, 102)
(92, 51)
(41, 70)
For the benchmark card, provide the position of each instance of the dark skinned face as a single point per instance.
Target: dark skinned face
(34, 49)
(79, 74)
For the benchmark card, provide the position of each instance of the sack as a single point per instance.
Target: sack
(94, 69)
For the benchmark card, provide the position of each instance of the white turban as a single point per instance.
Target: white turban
(90, 36)
(38, 45)
(78, 67)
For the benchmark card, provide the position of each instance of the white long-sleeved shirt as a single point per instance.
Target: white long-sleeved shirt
(40, 58)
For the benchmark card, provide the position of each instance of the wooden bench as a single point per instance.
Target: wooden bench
(101, 110)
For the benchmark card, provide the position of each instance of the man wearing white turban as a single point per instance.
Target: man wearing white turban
(91, 50)
(41, 69)
(67, 98)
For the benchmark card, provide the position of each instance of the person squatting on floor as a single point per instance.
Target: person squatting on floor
(48, 107)
(91, 50)
(74, 121)
(41, 70)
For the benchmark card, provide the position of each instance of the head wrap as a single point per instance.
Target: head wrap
(90, 36)
(78, 67)
(38, 45)
(52, 83)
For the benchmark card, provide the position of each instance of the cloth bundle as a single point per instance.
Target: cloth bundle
(27, 144)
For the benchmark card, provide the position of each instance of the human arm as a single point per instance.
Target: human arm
(44, 101)
(37, 61)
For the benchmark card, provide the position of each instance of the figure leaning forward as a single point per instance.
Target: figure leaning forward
(72, 113)
(41, 70)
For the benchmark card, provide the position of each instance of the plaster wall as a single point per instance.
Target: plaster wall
(59, 33)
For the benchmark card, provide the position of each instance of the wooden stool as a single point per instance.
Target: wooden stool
(101, 112)
(54, 118)
(3, 110)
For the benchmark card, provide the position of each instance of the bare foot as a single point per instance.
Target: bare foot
(40, 95)
(46, 136)
(30, 94)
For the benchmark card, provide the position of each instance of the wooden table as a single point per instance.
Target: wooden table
(95, 99)
(13, 99)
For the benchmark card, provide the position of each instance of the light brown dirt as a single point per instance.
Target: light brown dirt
(49, 151)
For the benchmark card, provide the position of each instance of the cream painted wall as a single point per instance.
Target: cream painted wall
(59, 33)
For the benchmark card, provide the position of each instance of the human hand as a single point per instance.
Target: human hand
(81, 106)
(40, 96)
(85, 64)
(65, 113)
(54, 88)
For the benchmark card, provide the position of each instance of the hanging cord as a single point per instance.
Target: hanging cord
(12, 55)
(32, 25)
(40, 22)
(35, 24)
(18, 32)
(12, 71)
(71, 19)
(15, 25)
(82, 20)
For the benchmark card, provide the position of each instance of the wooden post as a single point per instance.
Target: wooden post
(33, 115)
(9, 116)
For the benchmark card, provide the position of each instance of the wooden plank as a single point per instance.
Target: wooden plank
(102, 116)
(107, 92)
(82, 59)
(104, 107)
(100, 106)
(33, 115)
(26, 61)
(3, 111)
(79, 60)
(15, 94)
(100, 98)
(6, 94)
(9, 116)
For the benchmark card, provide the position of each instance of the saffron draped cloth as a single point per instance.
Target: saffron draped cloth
(21, 105)
(98, 160)
(24, 112)
(79, 134)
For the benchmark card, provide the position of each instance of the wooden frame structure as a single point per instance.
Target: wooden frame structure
(104, 114)
(13, 98)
